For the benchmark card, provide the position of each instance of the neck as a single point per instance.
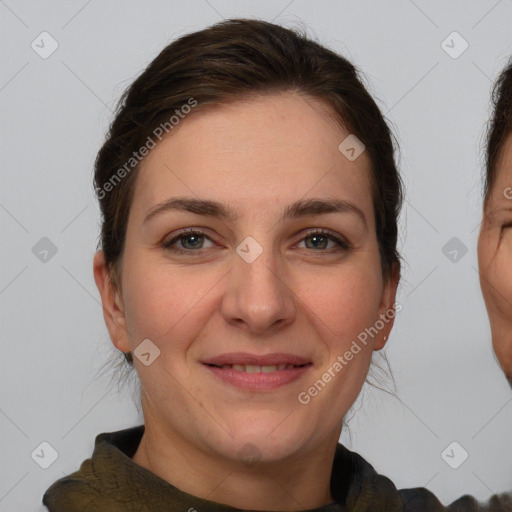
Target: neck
(299, 482)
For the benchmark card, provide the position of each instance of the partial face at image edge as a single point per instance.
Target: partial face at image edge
(495, 259)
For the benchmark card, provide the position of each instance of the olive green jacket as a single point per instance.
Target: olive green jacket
(110, 481)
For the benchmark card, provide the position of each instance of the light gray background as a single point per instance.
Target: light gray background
(55, 112)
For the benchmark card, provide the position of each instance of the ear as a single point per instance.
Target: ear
(387, 310)
(113, 308)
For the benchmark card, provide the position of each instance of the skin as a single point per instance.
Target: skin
(258, 157)
(495, 257)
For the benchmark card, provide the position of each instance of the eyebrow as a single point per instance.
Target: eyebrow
(296, 210)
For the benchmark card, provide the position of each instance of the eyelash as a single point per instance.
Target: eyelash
(342, 245)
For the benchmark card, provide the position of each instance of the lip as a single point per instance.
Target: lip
(257, 381)
(262, 360)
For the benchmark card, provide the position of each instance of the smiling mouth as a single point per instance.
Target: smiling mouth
(253, 368)
(258, 378)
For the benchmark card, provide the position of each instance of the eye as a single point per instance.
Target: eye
(320, 240)
(189, 241)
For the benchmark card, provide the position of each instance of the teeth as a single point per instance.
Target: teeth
(254, 368)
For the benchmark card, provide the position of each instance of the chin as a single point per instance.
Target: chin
(266, 441)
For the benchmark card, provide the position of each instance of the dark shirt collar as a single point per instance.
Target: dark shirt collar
(111, 481)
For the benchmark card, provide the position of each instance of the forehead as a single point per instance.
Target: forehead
(273, 147)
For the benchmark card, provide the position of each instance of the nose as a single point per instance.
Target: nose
(258, 299)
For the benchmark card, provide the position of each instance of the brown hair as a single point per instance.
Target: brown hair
(228, 61)
(499, 126)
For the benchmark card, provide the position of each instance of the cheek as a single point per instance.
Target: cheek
(495, 261)
(341, 304)
(345, 300)
(164, 302)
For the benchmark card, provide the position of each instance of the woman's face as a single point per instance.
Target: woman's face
(495, 259)
(253, 179)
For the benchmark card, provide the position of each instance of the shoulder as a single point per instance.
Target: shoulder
(85, 489)
(369, 490)
(421, 499)
(77, 492)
